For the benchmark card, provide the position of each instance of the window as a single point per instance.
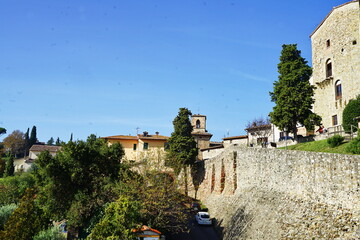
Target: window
(134, 147)
(328, 68)
(197, 123)
(166, 145)
(334, 120)
(338, 90)
(328, 43)
(146, 146)
(354, 42)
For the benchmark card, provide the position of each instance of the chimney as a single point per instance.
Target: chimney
(157, 133)
(145, 134)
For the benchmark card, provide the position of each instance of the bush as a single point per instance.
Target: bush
(53, 233)
(12, 188)
(354, 146)
(5, 212)
(335, 141)
(351, 111)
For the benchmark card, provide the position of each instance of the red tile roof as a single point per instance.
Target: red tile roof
(139, 136)
(236, 137)
(40, 148)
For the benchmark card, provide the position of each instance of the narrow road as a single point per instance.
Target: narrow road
(196, 233)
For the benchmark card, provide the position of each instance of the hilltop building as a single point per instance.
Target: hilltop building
(201, 135)
(141, 145)
(336, 62)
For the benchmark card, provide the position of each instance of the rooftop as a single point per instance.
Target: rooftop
(40, 148)
(236, 137)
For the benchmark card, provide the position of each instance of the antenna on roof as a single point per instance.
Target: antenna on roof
(137, 130)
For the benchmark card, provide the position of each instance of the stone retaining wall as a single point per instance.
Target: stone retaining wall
(278, 194)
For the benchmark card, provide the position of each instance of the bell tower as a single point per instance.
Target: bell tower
(201, 135)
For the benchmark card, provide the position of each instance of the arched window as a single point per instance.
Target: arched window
(328, 68)
(338, 90)
(197, 123)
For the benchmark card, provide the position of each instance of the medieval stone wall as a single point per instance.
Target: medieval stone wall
(278, 194)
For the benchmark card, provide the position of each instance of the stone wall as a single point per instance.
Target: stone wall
(278, 194)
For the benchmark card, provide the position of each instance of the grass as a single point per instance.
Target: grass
(319, 146)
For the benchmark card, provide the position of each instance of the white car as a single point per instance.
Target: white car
(203, 218)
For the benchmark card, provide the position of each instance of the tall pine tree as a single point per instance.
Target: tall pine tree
(293, 94)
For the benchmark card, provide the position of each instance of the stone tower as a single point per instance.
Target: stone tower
(336, 62)
(202, 137)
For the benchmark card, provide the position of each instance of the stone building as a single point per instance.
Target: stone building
(201, 135)
(336, 62)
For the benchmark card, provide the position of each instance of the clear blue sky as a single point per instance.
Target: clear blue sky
(108, 67)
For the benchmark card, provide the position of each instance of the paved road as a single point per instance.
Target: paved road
(196, 232)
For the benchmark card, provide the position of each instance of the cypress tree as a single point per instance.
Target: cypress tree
(33, 138)
(182, 146)
(293, 93)
(9, 165)
(27, 142)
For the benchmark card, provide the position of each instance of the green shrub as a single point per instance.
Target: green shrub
(354, 146)
(53, 233)
(12, 188)
(351, 111)
(5, 212)
(335, 141)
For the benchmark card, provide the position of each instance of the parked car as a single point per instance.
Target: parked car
(286, 138)
(203, 218)
(195, 207)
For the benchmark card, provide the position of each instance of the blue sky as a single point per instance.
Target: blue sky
(108, 67)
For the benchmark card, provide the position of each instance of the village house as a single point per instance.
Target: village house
(140, 146)
(336, 63)
(24, 164)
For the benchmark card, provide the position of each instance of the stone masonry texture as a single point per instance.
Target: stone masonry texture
(277, 194)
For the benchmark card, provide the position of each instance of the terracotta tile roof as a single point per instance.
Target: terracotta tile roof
(139, 136)
(153, 137)
(40, 148)
(121, 137)
(236, 137)
(198, 115)
(322, 22)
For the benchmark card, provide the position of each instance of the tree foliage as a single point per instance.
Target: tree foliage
(78, 177)
(27, 142)
(351, 111)
(58, 142)
(13, 188)
(33, 137)
(182, 146)
(120, 218)
(2, 131)
(50, 141)
(9, 165)
(15, 143)
(53, 233)
(293, 94)
(26, 221)
(5, 212)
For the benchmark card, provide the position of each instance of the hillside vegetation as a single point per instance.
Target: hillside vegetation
(319, 146)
